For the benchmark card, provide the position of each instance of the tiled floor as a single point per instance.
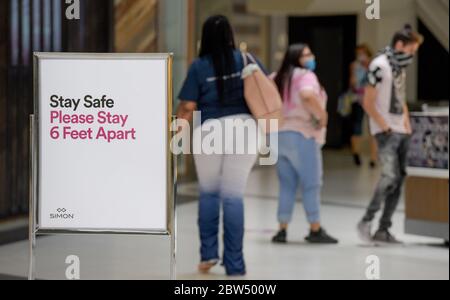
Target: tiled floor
(347, 190)
(344, 183)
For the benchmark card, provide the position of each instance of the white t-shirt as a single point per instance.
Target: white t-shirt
(383, 79)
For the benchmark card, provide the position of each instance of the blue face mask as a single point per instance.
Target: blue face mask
(311, 65)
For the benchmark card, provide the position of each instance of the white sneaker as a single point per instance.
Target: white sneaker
(365, 231)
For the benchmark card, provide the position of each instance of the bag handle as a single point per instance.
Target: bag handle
(252, 59)
(246, 57)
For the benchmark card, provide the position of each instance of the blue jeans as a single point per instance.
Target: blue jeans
(223, 179)
(233, 224)
(299, 164)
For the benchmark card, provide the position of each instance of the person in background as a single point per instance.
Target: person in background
(300, 139)
(385, 103)
(214, 87)
(358, 82)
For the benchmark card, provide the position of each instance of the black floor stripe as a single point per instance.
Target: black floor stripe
(21, 234)
(9, 277)
(12, 236)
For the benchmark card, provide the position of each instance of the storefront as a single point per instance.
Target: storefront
(427, 200)
(131, 26)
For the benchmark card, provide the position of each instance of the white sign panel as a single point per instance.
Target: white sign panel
(102, 158)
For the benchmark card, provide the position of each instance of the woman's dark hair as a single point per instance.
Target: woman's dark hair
(291, 61)
(218, 43)
(407, 36)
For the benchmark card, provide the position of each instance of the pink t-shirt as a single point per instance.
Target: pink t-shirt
(296, 116)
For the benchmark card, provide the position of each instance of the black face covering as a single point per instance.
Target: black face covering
(398, 60)
(402, 59)
(398, 96)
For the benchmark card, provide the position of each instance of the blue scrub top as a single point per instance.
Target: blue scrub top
(200, 86)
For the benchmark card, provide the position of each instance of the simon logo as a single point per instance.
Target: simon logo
(61, 213)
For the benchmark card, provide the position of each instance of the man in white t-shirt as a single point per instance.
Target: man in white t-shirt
(385, 103)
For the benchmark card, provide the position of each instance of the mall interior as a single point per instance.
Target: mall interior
(264, 28)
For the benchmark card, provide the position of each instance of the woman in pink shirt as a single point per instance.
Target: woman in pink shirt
(300, 141)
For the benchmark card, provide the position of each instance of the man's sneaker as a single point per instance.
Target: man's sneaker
(383, 236)
(280, 237)
(320, 237)
(365, 231)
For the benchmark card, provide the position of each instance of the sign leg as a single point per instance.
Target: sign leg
(32, 207)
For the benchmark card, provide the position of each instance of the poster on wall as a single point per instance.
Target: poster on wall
(102, 142)
(429, 144)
